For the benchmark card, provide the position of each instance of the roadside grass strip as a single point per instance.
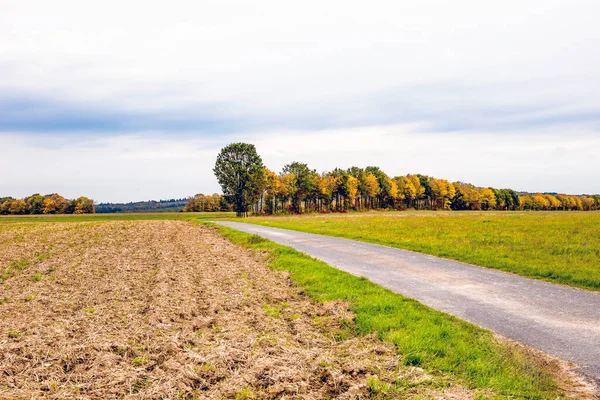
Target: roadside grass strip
(429, 339)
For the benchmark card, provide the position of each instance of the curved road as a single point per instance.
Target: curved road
(562, 321)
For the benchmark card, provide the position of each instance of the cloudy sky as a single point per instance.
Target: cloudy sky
(132, 100)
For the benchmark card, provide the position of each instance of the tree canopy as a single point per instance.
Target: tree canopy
(240, 172)
(48, 204)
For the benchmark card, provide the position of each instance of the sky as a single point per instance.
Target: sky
(127, 101)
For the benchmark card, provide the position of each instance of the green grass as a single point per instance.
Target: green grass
(560, 247)
(116, 217)
(424, 337)
(18, 265)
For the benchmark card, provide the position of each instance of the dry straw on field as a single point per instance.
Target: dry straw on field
(169, 309)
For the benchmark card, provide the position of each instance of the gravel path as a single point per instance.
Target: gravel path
(562, 321)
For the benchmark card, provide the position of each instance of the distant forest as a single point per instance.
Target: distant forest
(172, 205)
(48, 204)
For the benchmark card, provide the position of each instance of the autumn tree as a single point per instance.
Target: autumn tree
(5, 205)
(302, 184)
(35, 204)
(406, 189)
(204, 203)
(372, 189)
(82, 205)
(240, 172)
(270, 192)
(388, 190)
(326, 185)
(17, 207)
(487, 198)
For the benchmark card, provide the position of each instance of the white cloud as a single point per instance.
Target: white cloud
(272, 57)
(513, 85)
(140, 167)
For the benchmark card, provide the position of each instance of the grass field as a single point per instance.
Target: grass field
(560, 247)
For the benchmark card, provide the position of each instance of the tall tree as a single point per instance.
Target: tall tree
(240, 172)
(303, 184)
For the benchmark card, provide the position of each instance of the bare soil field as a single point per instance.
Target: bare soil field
(170, 309)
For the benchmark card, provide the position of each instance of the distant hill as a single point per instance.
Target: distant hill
(173, 205)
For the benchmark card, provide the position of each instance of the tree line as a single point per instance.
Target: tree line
(203, 203)
(249, 186)
(171, 205)
(48, 204)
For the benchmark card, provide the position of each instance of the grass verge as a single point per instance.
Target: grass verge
(426, 338)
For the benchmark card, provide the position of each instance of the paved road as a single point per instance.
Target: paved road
(561, 321)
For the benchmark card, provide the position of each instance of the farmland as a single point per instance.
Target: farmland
(560, 247)
(124, 308)
(172, 309)
(116, 217)
(158, 307)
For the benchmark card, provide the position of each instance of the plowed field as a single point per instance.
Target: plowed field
(170, 309)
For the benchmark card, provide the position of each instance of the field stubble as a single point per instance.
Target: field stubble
(160, 309)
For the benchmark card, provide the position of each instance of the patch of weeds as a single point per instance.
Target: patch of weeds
(29, 297)
(53, 385)
(13, 334)
(42, 256)
(139, 361)
(275, 310)
(18, 265)
(89, 310)
(266, 338)
(255, 239)
(245, 394)
(5, 300)
(339, 335)
(138, 386)
(51, 270)
(206, 367)
(37, 277)
(217, 329)
(377, 388)
(271, 310)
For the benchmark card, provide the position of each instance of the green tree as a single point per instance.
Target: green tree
(303, 185)
(240, 172)
(82, 205)
(388, 190)
(35, 204)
